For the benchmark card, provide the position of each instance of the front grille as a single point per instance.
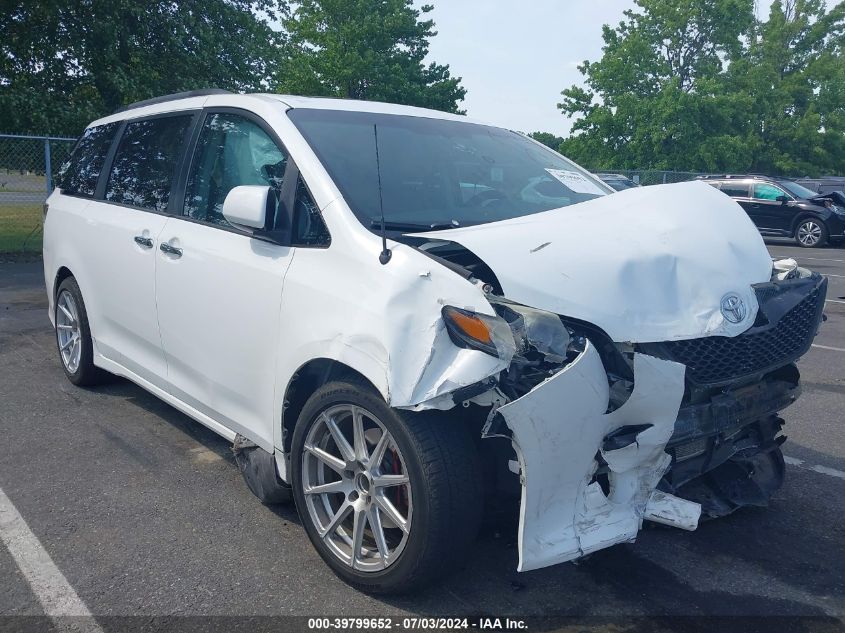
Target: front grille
(690, 449)
(720, 359)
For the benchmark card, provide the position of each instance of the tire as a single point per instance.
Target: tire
(77, 358)
(441, 503)
(811, 233)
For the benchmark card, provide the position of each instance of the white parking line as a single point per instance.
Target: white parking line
(823, 470)
(834, 301)
(49, 585)
(832, 275)
(828, 347)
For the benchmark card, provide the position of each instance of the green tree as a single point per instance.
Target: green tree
(702, 85)
(365, 49)
(548, 139)
(794, 75)
(63, 64)
(655, 99)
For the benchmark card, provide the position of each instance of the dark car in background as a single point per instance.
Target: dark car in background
(617, 182)
(783, 208)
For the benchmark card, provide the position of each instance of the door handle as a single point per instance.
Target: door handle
(146, 242)
(170, 250)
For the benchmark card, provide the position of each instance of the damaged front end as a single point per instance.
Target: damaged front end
(607, 434)
(726, 445)
(589, 442)
(563, 429)
(646, 379)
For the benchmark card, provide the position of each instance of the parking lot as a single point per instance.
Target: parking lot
(144, 513)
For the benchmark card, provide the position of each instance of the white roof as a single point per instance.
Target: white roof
(287, 101)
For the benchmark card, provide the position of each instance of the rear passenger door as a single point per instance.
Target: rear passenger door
(740, 192)
(773, 213)
(124, 224)
(218, 289)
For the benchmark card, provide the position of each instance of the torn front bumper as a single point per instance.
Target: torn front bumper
(559, 429)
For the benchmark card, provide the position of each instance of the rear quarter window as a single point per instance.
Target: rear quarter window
(734, 190)
(80, 173)
(145, 163)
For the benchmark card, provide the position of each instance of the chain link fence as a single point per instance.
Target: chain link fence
(647, 177)
(27, 167)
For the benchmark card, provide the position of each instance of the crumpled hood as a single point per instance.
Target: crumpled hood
(836, 197)
(645, 264)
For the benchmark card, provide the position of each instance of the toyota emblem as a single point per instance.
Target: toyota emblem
(733, 308)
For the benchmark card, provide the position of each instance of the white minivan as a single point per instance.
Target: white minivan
(402, 317)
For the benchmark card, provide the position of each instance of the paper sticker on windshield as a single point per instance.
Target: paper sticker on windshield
(576, 181)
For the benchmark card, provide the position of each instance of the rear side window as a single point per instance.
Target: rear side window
(79, 175)
(145, 163)
(734, 190)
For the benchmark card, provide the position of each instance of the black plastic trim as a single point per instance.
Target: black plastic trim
(100, 190)
(203, 92)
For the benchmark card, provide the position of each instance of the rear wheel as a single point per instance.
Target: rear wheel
(390, 499)
(73, 336)
(811, 233)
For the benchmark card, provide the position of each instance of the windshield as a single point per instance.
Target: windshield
(437, 173)
(797, 190)
(620, 184)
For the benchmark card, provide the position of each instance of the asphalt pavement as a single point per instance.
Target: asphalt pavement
(142, 512)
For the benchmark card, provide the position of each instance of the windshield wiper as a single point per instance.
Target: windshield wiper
(412, 226)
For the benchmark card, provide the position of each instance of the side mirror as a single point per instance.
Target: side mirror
(782, 199)
(246, 206)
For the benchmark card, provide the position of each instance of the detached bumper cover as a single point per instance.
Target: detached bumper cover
(559, 427)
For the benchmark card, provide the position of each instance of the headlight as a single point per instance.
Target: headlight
(490, 334)
(543, 331)
(516, 331)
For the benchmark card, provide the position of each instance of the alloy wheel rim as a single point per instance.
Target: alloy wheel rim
(809, 233)
(68, 331)
(356, 487)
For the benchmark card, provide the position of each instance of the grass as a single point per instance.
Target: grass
(20, 227)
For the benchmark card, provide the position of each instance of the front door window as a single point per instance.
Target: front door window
(232, 150)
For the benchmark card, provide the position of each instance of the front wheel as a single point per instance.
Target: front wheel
(390, 499)
(811, 233)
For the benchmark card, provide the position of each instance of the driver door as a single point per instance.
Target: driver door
(218, 289)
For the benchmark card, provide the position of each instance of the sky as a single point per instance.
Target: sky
(516, 57)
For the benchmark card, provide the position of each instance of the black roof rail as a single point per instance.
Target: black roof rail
(173, 97)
